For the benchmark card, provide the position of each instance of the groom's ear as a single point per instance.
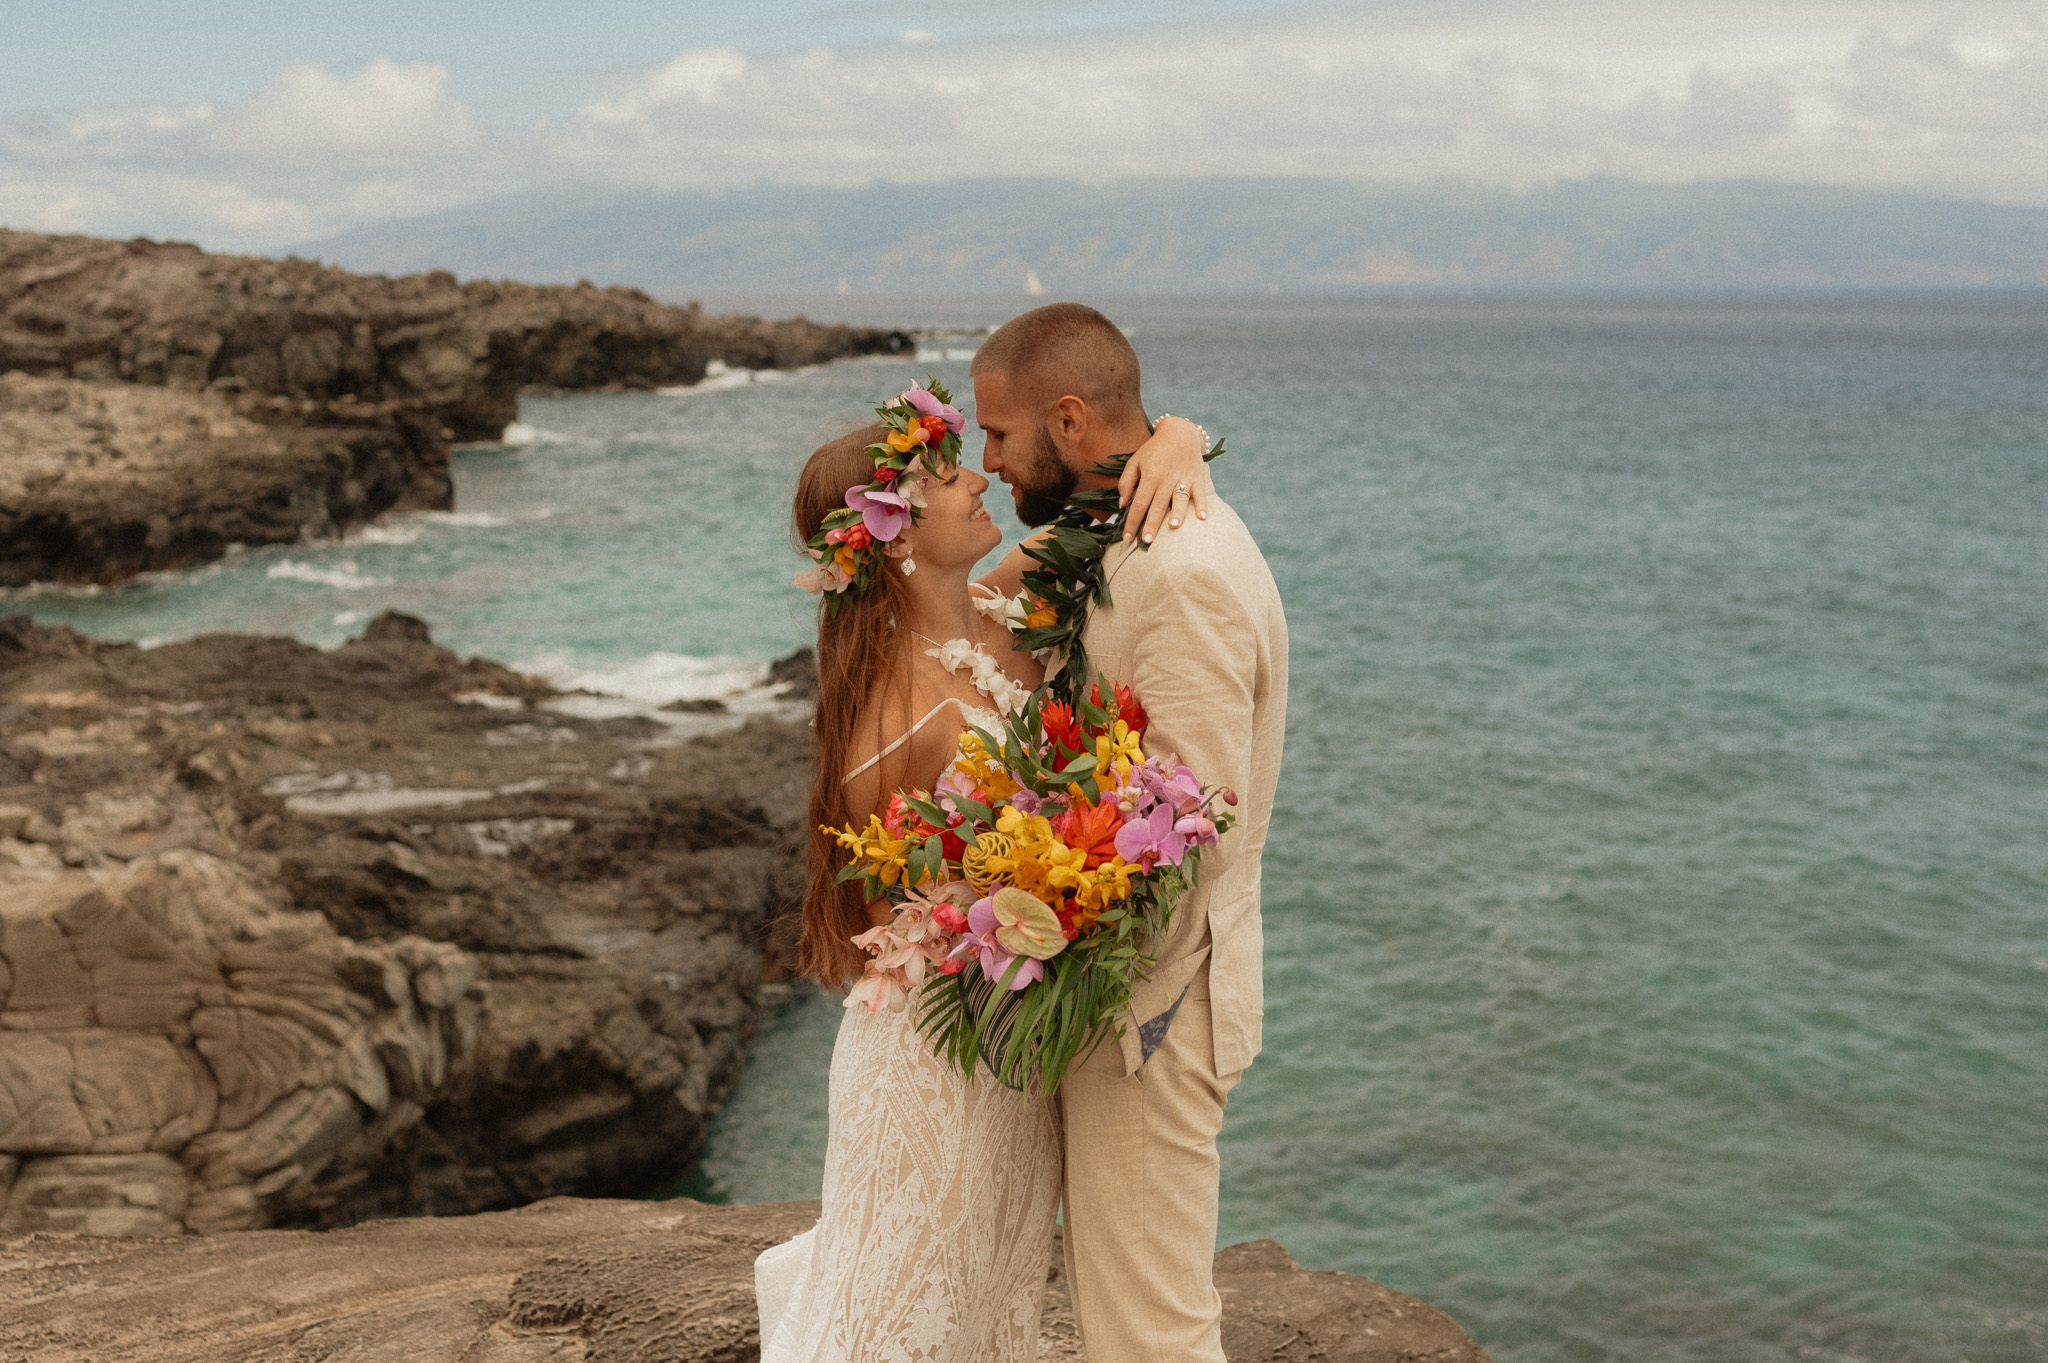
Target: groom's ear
(1069, 422)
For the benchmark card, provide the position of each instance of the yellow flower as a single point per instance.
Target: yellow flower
(848, 559)
(987, 770)
(1041, 617)
(1066, 867)
(1118, 750)
(883, 850)
(903, 442)
(974, 861)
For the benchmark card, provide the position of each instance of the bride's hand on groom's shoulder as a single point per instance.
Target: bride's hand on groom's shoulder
(1165, 478)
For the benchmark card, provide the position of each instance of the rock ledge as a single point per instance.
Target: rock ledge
(566, 1281)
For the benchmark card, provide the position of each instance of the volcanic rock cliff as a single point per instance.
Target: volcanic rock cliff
(167, 402)
(292, 937)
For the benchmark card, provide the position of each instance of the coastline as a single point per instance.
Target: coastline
(296, 937)
(159, 403)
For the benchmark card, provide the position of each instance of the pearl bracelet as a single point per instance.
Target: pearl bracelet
(1207, 444)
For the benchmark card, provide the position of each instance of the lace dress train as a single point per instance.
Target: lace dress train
(938, 1216)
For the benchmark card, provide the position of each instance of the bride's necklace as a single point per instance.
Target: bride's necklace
(983, 671)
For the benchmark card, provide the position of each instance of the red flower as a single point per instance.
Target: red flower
(935, 429)
(898, 816)
(1070, 919)
(1127, 708)
(888, 473)
(949, 917)
(857, 537)
(1062, 730)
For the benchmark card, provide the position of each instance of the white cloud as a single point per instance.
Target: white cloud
(699, 75)
(308, 154)
(1947, 96)
(383, 112)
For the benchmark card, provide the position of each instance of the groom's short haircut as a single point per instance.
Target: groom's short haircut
(1065, 348)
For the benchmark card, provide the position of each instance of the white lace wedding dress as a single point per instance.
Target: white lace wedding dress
(938, 1216)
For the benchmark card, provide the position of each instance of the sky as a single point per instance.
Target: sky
(256, 127)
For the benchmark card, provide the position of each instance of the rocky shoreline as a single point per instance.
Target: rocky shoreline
(159, 403)
(293, 937)
(305, 939)
(330, 981)
(570, 1281)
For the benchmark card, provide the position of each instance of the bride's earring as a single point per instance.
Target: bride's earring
(909, 563)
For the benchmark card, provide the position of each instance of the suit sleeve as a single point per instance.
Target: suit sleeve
(1195, 670)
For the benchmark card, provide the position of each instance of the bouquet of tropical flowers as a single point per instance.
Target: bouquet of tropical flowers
(1032, 885)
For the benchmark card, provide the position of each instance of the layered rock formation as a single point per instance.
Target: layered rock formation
(298, 937)
(567, 1281)
(391, 371)
(100, 481)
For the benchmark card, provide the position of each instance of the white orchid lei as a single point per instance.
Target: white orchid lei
(923, 441)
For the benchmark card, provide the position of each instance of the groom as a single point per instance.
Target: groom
(1196, 630)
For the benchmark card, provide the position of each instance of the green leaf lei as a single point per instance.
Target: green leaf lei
(1070, 578)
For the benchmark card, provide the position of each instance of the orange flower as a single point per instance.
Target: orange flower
(1091, 830)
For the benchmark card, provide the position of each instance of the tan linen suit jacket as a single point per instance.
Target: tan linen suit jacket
(1195, 627)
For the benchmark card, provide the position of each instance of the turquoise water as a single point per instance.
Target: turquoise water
(1658, 964)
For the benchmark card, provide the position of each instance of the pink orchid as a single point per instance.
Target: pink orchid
(900, 951)
(927, 405)
(911, 484)
(982, 927)
(1177, 786)
(883, 513)
(826, 577)
(878, 991)
(1147, 839)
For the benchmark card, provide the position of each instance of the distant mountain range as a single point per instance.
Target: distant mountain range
(1223, 235)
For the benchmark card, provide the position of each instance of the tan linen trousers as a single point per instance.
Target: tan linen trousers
(1196, 627)
(1141, 1191)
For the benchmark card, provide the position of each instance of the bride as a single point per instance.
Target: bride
(940, 1194)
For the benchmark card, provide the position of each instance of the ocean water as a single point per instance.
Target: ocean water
(1657, 900)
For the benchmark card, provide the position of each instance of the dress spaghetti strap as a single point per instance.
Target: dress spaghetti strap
(903, 737)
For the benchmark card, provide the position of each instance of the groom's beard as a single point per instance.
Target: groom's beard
(1044, 483)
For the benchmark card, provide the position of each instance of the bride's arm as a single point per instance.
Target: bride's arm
(1007, 577)
(1166, 475)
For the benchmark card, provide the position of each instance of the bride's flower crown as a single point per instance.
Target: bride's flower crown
(923, 442)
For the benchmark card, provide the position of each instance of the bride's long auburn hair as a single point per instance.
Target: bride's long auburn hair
(857, 667)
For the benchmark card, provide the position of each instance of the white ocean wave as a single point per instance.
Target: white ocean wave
(520, 434)
(408, 527)
(642, 686)
(345, 575)
(718, 377)
(653, 680)
(139, 582)
(392, 532)
(482, 519)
